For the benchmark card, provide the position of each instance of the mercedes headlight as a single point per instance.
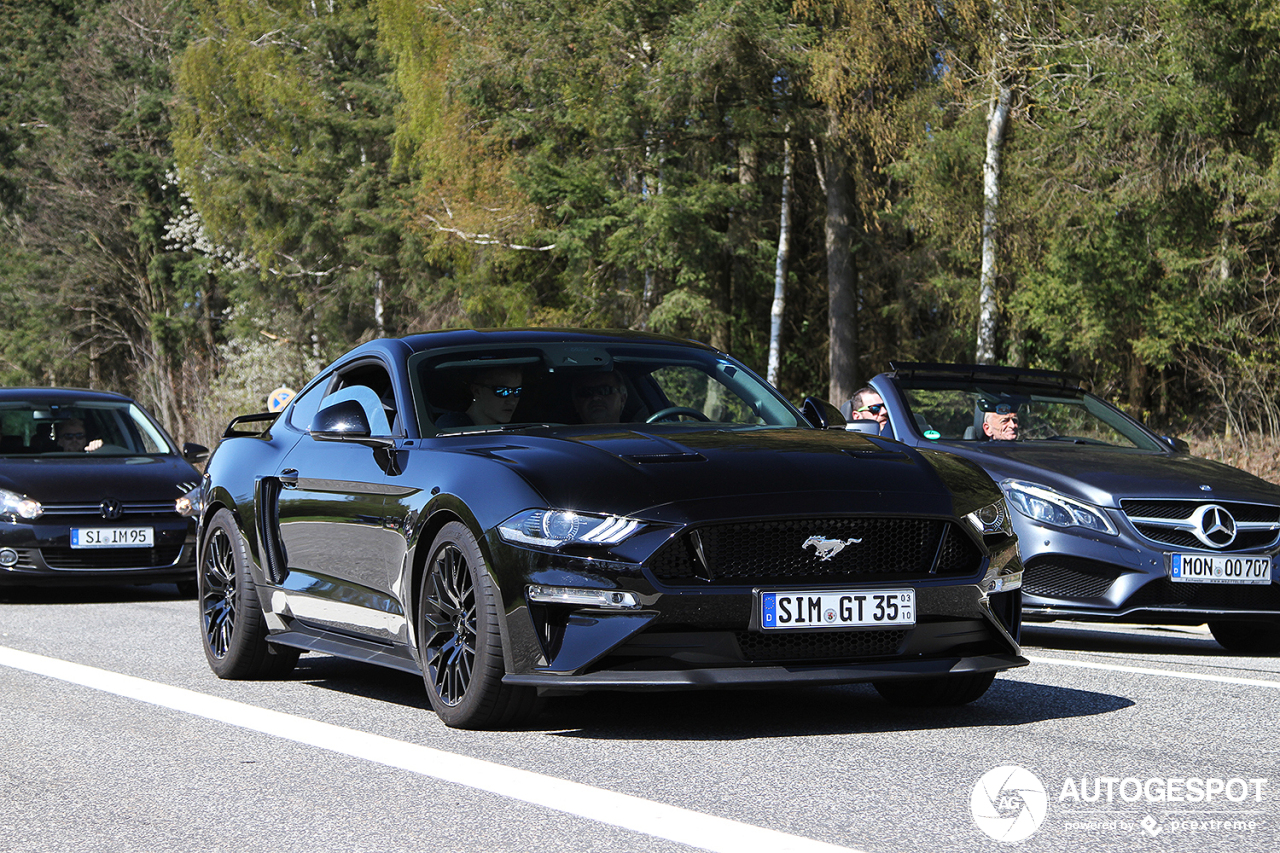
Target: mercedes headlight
(1046, 506)
(14, 505)
(555, 528)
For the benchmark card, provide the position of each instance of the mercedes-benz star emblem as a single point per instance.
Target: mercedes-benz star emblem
(1214, 526)
(111, 509)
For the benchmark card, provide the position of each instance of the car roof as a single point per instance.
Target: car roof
(448, 338)
(986, 373)
(58, 395)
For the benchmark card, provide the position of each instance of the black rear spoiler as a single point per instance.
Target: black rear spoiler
(265, 418)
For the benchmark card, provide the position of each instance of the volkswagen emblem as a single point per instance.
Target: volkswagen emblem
(1214, 526)
(111, 509)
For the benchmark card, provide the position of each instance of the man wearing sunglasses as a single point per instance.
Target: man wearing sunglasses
(598, 398)
(866, 405)
(495, 391)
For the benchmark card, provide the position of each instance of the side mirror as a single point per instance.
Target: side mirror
(346, 421)
(1177, 444)
(194, 453)
(864, 427)
(822, 414)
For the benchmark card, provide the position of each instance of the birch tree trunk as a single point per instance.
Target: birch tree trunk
(988, 310)
(780, 269)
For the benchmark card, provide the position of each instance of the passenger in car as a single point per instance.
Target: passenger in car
(599, 398)
(866, 405)
(495, 391)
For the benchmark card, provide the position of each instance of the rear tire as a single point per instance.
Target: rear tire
(936, 691)
(459, 641)
(1247, 638)
(234, 629)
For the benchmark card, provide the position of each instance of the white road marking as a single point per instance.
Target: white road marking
(1167, 673)
(683, 826)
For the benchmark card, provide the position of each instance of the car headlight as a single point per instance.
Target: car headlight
(555, 528)
(189, 505)
(14, 505)
(1048, 507)
(992, 519)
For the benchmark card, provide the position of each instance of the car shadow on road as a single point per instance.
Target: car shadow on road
(849, 709)
(732, 714)
(70, 593)
(360, 679)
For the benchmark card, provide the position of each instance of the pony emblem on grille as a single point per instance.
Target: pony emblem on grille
(825, 548)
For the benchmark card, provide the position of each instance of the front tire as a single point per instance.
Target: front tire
(936, 691)
(1247, 638)
(234, 629)
(459, 641)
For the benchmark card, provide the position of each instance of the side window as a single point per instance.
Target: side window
(304, 408)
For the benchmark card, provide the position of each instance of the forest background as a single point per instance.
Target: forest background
(202, 200)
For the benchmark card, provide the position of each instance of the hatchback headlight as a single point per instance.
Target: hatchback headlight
(555, 528)
(1046, 506)
(14, 505)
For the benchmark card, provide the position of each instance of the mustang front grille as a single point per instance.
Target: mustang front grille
(799, 551)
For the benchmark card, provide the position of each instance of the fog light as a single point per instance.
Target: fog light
(1005, 583)
(614, 599)
(8, 558)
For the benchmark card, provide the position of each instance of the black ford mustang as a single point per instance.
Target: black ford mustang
(520, 513)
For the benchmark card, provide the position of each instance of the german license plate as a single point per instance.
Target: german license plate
(112, 537)
(1217, 568)
(784, 611)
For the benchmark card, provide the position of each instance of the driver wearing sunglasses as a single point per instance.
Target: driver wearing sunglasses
(598, 398)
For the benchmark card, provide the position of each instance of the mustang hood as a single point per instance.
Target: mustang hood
(1103, 476)
(88, 479)
(678, 474)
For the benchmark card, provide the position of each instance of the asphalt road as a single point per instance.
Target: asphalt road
(115, 736)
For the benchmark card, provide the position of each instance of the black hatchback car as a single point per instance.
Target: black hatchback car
(519, 513)
(92, 490)
(1114, 522)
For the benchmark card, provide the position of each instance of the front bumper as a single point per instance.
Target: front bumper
(1125, 579)
(40, 553)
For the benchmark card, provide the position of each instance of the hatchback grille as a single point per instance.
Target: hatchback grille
(791, 551)
(111, 558)
(819, 645)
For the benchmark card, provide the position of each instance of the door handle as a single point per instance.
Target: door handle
(289, 478)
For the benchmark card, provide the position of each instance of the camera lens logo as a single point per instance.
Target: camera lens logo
(1009, 803)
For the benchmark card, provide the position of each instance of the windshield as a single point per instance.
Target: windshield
(974, 411)
(76, 428)
(610, 383)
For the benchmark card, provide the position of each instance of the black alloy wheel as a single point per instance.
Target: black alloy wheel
(234, 629)
(459, 641)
